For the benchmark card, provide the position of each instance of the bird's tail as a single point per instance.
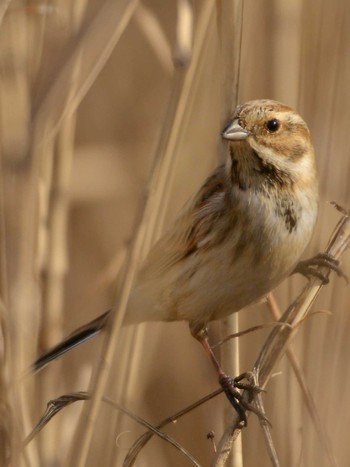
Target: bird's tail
(79, 336)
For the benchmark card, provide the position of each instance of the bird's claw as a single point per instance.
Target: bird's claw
(239, 403)
(307, 267)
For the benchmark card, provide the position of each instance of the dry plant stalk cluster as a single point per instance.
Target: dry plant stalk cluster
(159, 62)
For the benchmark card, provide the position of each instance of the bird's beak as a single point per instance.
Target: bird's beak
(234, 131)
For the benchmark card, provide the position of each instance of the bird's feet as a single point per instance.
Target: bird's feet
(308, 268)
(237, 400)
(230, 385)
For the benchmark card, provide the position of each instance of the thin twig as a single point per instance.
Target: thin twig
(248, 331)
(266, 429)
(309, 400)
(155, 431)
(54, 406)
(143, 439)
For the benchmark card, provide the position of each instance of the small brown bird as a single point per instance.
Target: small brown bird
(238, 237)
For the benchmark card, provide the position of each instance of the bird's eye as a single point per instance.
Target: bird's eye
(273, 125)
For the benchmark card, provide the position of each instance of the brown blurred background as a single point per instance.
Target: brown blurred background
(84, 97)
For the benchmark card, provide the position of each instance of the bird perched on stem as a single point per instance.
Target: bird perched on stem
(238, 237)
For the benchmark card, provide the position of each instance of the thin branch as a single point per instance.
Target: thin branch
(248, 331)
(155, 431)
(309, 400)
(266, 429)
(143, 439)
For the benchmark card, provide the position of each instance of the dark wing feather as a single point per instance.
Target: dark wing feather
(79, 336)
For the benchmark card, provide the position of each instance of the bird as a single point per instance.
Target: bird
(237, 238)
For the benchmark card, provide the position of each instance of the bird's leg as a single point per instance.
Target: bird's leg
(307, 267)
(228, 384)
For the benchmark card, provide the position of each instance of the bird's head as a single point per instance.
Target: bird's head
(275, 135)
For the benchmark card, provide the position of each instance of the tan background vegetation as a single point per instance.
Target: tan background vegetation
(71, 186)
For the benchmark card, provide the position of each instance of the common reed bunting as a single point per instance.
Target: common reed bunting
(238, 237)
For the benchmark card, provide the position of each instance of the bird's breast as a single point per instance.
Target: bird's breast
(267, 239)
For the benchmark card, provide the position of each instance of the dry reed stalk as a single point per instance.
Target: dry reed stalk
(56, 171)
(3, 8)
(56, 255)
(92, 46)
(19, 190)
(184, 32)
(279, 339)
(154, 34)
(6, 434)
(230, 30)
(185, 104)
(145, 224)
(325, 440)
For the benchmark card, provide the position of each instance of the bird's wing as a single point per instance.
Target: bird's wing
(192, 230)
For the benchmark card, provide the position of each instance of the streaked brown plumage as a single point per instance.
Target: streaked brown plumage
(239, 236)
